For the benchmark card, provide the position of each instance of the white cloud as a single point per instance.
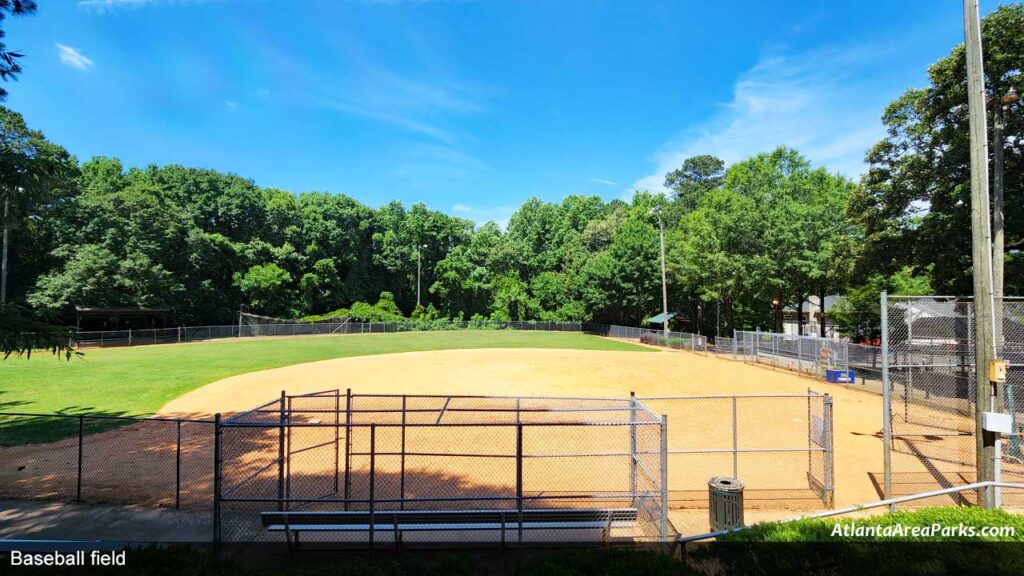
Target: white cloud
(603, 181)
(825, 103)
(231, 104)
(72, 57)
(462, 208)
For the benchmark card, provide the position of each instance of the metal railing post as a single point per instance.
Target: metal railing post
(217, 480)
(81, 435)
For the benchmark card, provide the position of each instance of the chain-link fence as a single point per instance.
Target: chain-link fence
(121, 338)
(676, 340)
(381, 453)
(107, 459)
(810, 355)
(779, 446)
(929, 387)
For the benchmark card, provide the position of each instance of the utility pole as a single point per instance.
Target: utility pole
(981, 252)
(998, 227)
(3, 259)
(664, 278)
(419, 269)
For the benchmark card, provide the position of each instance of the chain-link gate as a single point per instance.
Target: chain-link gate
(929, 394)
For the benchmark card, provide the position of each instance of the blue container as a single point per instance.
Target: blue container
(840, 376)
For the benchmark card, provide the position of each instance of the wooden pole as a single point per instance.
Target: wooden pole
(981, 248)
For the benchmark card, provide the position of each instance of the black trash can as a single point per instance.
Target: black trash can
(725, 503)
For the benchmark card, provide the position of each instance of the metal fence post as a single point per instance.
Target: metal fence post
(177, 465)
(664, 480)
(886, 400)
(401, 477)
(735, 441)
(280, 453)
(348, 445)
(217, 479)
(129, 337)
(799, 356)
(337, 438)
(373, 479)
(288, 453)
(632, 448)
(179, 334)
(519, 481)
(81, 435)
(829, 454)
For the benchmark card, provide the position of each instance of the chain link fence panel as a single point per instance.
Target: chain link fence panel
(107, 459)
(930, 395)
(381, 453)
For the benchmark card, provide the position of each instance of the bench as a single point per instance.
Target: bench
(292, 523)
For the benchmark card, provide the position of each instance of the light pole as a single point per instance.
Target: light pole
(664, 280)
(419, 269)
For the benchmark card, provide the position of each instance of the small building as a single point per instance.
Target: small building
(814, 315)
(90, 318)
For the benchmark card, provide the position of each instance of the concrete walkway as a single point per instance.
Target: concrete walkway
(37, 520)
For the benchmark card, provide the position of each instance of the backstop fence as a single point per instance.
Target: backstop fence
(107, 459)
(381, 453)
(929, 395)
(149, 336)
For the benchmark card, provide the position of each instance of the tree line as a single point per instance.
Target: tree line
(743, 240)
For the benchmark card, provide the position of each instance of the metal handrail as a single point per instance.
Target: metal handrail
(859, 507)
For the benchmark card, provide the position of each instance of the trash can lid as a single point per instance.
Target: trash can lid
(725, 484)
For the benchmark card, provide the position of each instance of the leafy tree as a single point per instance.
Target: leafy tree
(266, 287)
(10, 65)
(857, 315)
(915, 200)
(696, 177)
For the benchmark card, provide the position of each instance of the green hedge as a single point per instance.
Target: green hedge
(950, 517)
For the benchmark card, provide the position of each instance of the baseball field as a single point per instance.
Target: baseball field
(197, 380)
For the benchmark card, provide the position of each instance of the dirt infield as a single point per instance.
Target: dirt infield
(858, 444)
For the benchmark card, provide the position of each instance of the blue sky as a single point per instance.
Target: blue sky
(470, 107)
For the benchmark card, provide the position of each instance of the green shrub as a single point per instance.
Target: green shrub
(821, 530)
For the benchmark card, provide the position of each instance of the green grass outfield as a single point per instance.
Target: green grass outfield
(138, 381)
